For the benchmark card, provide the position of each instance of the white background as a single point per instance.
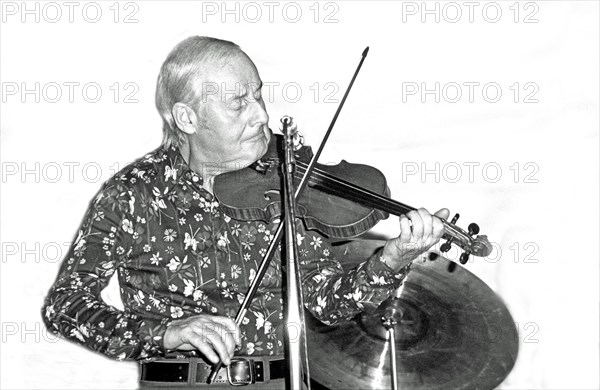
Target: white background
(548, 212)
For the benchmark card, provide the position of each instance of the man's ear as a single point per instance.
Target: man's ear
(185, 118)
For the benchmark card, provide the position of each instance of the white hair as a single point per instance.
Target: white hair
(179, 76)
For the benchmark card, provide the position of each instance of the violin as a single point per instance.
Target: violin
(340, 201)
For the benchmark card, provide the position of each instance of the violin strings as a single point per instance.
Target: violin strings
(340, 187)
(367, 197)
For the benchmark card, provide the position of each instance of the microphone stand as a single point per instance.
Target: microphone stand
(296, 344)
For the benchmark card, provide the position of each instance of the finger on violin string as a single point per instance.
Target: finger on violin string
(438, 229)
(417, 224)
(438, 224)
(427, 223)
(405, 229)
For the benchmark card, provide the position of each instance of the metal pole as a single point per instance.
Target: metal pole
(295, 331)
(389, 322)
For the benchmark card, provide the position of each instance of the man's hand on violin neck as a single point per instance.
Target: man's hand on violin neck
(419, 231)
(214, 336)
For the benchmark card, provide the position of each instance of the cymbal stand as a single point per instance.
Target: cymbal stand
(388, 323)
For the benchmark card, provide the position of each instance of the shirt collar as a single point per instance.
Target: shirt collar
(176, 170)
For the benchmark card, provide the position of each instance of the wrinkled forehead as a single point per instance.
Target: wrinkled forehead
(234, 75)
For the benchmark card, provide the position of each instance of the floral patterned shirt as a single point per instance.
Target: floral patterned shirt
(176, 255)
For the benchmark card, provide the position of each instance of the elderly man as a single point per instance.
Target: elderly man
(183, 266)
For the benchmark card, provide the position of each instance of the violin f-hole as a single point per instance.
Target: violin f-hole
(268, 194)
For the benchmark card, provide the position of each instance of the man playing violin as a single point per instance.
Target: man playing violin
(183, 266)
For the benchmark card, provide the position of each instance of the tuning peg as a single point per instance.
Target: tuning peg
(445, 247)
(464, 257)
(473, 229)
(451, 266)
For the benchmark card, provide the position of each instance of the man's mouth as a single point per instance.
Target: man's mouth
(260, 134)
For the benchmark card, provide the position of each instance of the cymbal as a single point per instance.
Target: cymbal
(452, 332)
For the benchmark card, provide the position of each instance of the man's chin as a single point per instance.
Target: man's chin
(254, 149)
(262, 150)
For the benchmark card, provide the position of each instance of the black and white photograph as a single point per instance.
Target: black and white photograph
(300, 194)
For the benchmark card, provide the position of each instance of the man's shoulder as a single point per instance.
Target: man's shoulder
(142, 172)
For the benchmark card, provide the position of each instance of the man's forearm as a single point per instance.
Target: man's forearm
(81, 316)
(334, 295)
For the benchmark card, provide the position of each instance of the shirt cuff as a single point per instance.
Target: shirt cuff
(381, 274)
(151, 334)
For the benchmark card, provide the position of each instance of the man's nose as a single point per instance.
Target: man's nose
(259, 113)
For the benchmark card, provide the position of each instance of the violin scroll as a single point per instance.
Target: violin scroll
(481, 246)
(471, 245)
